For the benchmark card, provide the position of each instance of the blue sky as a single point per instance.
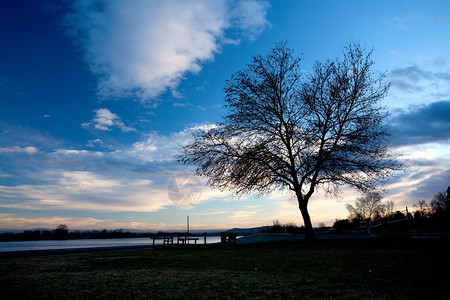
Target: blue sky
(97, 96)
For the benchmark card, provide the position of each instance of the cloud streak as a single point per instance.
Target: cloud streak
(142, 48)
(83, 190)
(16, 149)
(14, 222)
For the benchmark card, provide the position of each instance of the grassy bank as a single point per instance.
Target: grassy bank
(326, 269)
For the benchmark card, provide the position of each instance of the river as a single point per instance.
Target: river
(87, 243)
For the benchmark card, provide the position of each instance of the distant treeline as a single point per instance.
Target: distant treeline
(368, 214)
(290, 227)
(424, 219)
(62, 233)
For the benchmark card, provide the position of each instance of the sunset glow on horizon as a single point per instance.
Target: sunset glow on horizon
(97, 98)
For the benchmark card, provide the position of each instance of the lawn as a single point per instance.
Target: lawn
(334, 269)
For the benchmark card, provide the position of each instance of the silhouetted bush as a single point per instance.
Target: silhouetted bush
(342, 225)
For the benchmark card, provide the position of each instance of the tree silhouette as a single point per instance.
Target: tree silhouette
(366, 207)
(440, 202)
(284, 132)
(61, 231)
(422, 208)
(440, 205)
(389, 208)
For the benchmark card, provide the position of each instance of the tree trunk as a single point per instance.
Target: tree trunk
(306, 219)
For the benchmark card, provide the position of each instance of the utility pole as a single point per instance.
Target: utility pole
(188, 224)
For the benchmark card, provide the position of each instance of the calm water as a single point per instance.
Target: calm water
(88, 243)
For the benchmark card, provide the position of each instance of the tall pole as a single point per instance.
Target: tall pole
(188, 224)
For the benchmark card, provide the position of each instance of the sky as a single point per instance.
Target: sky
(97, 97)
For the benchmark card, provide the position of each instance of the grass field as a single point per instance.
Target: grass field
(334, 269)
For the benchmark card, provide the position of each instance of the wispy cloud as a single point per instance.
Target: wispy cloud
(426, 178)
(398, 22)
(83, 190)
(142, 48)
(14, 222)
(250, 17)
(23, 137)
(94, 143)
(242, 214)
(6, 81)
(412, 84)
(16, 149)
(179, 104)
(105, 120)
(133, 178)
(413, 19)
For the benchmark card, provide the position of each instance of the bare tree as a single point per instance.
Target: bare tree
(62, 228)
(367, 206)
(440, 202)
(284, 132)
(61, 231)
(422, 208)
(389, 208)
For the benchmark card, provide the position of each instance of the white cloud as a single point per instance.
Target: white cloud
(17, 149)
(93, 143)
(104, 120)
(251, 16)
(142, 48)
(163, 148)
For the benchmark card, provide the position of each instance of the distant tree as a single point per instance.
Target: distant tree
(289, 227)
(389, 208)
(62, 228)
(366, 207)
(422, 208)
(440, 206)
(284, 132)
(277, 227)
(322, 227)
(440, 202)
(62, 231)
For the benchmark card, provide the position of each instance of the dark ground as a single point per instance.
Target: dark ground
(326, 269)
